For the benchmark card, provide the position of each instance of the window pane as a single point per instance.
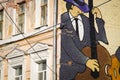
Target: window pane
(44, 15)
(21, 19)
(21, 28)
(17, 78)
(45, 75)
(43, 12)
(40, 76)
(0, 74)
(1, 23)
(21, 24)
(42, 70)
(42, 65)
(43, 2)
(0, 30)
(18, 70)
(1, 15)
(22, 8)
(20, 77)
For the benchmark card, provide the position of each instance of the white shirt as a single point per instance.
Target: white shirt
(80, 26)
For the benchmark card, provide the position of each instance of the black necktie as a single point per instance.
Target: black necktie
(77, 30)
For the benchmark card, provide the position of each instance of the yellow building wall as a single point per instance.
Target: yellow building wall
(110, 12)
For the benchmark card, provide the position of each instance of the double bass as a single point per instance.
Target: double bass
(95, 51)
(104, 60)
(113, 70)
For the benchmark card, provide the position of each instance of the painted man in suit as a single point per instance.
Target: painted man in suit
(72, 41)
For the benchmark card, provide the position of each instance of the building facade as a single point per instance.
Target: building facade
(26, 37)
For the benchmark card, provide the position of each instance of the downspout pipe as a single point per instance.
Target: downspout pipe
(55, 40)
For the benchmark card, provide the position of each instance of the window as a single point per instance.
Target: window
(42, 70)
(21, 18)
(1, 23)
(18, 73)
(16, 65)
(0, 74)
(1, 69)
(43, 12)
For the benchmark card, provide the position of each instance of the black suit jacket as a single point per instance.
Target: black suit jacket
(72, 59)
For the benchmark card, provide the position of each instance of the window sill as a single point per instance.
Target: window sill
(17, 34)
(41, 27)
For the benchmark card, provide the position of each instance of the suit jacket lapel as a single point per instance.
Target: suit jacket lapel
(75, 38)
(69, 23)
(86, 25)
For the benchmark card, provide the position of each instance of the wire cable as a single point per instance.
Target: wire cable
(35, 33)
(25, 38)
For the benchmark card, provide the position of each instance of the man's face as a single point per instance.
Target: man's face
(75, 11)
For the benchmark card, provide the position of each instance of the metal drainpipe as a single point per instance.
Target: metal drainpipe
(55, 40)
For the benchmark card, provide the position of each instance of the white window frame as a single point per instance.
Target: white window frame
(34, 65)
(0, 74)
(18, 76)
(1, 69)
(42, 53)
(16, 21)
(38, 14)
(15, 58)
(46, 15)
(11, 67)
(2, 21)
(42, 71)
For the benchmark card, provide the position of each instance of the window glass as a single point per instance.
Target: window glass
(43, 12)
(0, 74)
(21, 18)
(42, 70)
(1, 23)
(18, 73)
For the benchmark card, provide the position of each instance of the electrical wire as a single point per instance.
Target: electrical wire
(36, 33)
(25, 38)
(33, 34)
(70, 18)
(103, 3)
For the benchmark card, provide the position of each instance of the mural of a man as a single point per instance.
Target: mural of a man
(75, 36)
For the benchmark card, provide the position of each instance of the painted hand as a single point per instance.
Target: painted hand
(93, 64)
(96, 11)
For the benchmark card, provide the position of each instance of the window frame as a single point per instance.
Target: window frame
(18, 75)
(11, 68)
(44, 71)
(16, 58)
(43, 52)
(45, 6)
(38, 13)
(1, 23)
(19, 14)
(1, 69)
